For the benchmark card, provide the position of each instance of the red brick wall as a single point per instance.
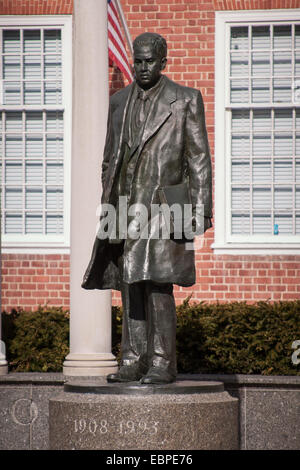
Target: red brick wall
(36, 7)
(32, 280)
(189, 30)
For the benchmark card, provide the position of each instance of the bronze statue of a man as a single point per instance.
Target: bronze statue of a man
(156, 140)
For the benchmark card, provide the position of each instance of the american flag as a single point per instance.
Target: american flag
(116, 47)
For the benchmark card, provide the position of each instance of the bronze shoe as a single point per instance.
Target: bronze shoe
(157, 375)
(126, 373)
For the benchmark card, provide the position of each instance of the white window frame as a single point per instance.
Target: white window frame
(225, 242)
(40, 243)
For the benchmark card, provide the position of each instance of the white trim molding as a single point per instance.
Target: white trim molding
(225, 242)
(47, 243)
(34, 250)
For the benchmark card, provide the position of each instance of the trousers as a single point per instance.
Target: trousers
(149, 325)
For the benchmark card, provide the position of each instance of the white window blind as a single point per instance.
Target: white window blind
(264, 68)
(32, 131)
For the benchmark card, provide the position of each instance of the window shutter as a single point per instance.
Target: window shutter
(285, 224)
(297, 172)
(283, 198)
(282, 37)
(13, 223)
(54, 198)
(13, 198)
(261, 37)
(13, 173)
(262, 120)
(54, 173)
(240, 172)
(241, 120)
(283, 119)
(298, 197)
(262, 199)
(33, 150)
(34, 199)
(283, 171)
(262, 172)
(240, 199)
(13, 146)
(34, 173)
(11, 67)
(34, 121)
(265, 129)
(240, 224)
(297, 224)
(54, 146)
(54, 224)
(262, 224)
(33, 223)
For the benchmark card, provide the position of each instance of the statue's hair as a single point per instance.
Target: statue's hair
(159, 43)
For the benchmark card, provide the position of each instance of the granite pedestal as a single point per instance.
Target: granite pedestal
(90, 414)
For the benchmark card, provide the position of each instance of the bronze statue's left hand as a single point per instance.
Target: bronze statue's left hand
(206, 224)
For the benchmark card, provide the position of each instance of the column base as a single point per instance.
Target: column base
(92, 365)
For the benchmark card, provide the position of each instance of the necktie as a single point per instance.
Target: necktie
(141, 110)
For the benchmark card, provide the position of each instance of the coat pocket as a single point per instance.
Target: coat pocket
(176, 208)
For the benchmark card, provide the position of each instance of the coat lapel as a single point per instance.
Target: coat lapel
(118, 122)
(159, 112)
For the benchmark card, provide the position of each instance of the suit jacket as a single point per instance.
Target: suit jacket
(173, 148)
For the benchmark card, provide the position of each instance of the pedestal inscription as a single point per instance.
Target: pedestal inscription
(159, 420)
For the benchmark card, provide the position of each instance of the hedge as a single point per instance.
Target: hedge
(232, 338)
(36, 341)
(238, 338)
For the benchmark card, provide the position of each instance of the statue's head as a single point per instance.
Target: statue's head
(150, 58)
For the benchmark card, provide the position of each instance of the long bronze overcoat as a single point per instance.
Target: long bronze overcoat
(173, 148)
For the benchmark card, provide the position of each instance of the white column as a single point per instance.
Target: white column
(3, 361)
(90, 310)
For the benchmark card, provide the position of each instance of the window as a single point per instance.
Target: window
(35, 131)
(258, 131)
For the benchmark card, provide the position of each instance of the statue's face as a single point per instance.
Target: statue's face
(147, 65)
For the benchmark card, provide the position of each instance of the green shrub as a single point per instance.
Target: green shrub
(9, 331)
(116, 332)
(233, 338)
(36, 341)
(237, 338)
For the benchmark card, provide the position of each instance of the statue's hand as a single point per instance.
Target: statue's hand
(200, 226)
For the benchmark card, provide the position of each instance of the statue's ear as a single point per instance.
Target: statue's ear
(163, 63)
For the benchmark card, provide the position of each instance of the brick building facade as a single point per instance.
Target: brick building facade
(259, 269)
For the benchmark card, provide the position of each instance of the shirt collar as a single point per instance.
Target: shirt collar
(148, 94)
